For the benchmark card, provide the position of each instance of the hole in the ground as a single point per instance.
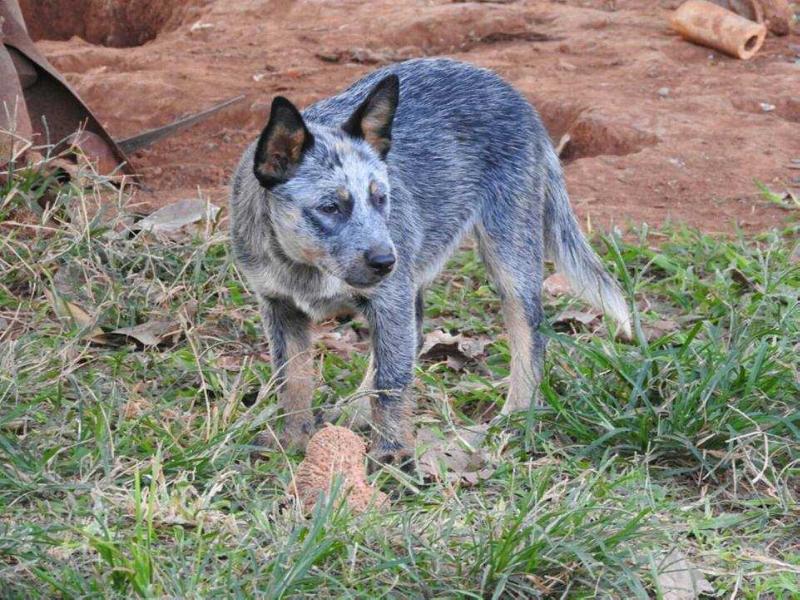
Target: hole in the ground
(590, 135)
(118, 23)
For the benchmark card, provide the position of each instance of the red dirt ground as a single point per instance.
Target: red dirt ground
(593, 68)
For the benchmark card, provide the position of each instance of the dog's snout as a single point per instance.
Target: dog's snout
(380, 259)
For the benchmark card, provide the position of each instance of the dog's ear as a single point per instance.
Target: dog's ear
(281, 145)
(372, 120)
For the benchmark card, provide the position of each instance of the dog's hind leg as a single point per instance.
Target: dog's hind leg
(511, 245)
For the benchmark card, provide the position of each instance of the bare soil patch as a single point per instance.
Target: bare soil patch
(661, 130)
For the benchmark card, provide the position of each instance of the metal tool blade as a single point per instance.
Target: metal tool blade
(146, 138)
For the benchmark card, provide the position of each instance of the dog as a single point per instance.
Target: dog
(356, 204)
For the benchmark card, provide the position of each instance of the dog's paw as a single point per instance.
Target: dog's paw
(385, 452)
(293, 438)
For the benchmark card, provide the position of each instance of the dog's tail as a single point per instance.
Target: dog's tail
(566, 245)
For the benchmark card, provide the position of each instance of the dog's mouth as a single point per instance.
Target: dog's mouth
(364, 281)
(361, 284)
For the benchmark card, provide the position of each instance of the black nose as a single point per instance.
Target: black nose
(381, 260)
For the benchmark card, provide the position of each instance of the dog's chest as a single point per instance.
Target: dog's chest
(320, 296)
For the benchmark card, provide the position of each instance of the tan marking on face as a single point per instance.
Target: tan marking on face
(294, 241)
(289, 216)
(342, 193)
(373, 187)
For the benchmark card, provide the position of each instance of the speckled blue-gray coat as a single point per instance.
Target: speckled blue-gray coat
(357, 203)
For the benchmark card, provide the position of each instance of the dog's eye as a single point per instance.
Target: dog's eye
(329, 209)
(379, 200)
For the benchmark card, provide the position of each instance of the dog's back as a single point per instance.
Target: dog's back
(387, 177)
(469, 151)
(460, 135)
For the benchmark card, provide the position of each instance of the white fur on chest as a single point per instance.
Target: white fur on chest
(318, 301)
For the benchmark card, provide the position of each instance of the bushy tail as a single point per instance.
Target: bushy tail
(566, 245)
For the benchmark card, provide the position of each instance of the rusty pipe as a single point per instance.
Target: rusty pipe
(713, 26)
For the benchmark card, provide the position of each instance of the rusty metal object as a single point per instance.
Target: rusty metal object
(55, 109)
(146, 138)
(705, 23)
(45, 105)
(15, 124)
(94, 148)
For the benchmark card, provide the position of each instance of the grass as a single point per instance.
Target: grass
(128, 469)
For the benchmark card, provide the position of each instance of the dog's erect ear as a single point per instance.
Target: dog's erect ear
(282, 144)
(372, 121)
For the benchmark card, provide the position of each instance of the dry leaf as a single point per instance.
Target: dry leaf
(660, 328)
(556, 285)
(17, 426)
(679, 580)
(178, 214)
(150, 333)
(455, 350)
(573, 321)
(65, 309)
(741, 279)
(136, 407)
(457, 453)
(230, 362)
(343, 343)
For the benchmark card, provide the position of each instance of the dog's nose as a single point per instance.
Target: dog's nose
(380, 259)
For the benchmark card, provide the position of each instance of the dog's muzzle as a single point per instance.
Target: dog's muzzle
(380, 260)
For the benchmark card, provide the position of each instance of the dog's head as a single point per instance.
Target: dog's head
(328, 188)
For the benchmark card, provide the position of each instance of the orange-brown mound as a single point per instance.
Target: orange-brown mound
(335, 451)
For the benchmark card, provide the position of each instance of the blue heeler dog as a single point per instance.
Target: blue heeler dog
(356, 203)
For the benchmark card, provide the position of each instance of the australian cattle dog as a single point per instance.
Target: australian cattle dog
(357, 202)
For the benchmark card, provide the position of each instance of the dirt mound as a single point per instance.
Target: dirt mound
(119, 23)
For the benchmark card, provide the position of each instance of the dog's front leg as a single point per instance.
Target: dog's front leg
(394, 342)
(288, 331)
